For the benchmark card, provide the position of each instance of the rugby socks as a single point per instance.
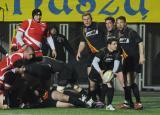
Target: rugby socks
(75, 101)
(103, 92)
(135, 90)
(92, 94)
(110, 94)
(128, 96)
(98, 90)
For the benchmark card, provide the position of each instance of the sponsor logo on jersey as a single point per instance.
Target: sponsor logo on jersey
(124, 40)
(91, 33)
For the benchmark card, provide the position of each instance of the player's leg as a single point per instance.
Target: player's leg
(135, 90)
(63, 104)
(55, 95)
(110, 94)
(2, 97)
(92, 84)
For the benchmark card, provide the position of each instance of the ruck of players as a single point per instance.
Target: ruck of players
(30, 79)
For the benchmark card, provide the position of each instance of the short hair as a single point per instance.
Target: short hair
(110, 18)
(109, 41)
(121, 18)
(36, 11)
(54, 27)
(87, 14)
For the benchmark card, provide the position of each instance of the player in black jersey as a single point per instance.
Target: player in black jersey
(108, 58)
(36, 77)
(111, 33)
(132, 44)
(93, 38)
(61, 44)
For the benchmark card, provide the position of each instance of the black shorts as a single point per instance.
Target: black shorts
(95, 76)
(90, 59)
(131, 64)
(9, 77)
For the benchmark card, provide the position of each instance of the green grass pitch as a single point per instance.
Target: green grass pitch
(151, 102)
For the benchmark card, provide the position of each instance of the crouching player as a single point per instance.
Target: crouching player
(7, 70)
(105, 65)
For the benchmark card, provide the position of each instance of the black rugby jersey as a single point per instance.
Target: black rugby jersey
(61, 42)
(129, 40)
(107, 58)
(111, 34)
(94, 36)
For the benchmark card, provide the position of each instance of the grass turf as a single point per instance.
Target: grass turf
(151, 102)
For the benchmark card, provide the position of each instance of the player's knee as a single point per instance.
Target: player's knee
(92, 87)
(62, 82)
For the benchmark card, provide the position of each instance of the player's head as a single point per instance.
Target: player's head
(109, 22)
(29, 52)
(53, 30)
(36, 15)
(121, 22)
(87, 19)
(112, 44)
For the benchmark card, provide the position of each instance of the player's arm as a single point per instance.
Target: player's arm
(50, 41)
(80, 49)
(117, 62)
(116, 66)
(68, 47)
(20, 33)
(139, 42)
(95, 64)
(141, 53)
(81, 45)
(19, 36)
(52, 46)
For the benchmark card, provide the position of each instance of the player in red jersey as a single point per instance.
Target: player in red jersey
(7, 69)
(14, 45)
(32, 32)
(6, 64)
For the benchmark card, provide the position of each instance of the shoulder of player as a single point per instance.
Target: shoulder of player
(26, 21)
(17, 54)
(102, 50)
(117, 52)
(130, 30)
(44, 23)
(61, 35)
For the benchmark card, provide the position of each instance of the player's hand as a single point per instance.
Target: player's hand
(54, 53)
(20, 70)
(78, 56)
(101, 73)
(141, 59)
